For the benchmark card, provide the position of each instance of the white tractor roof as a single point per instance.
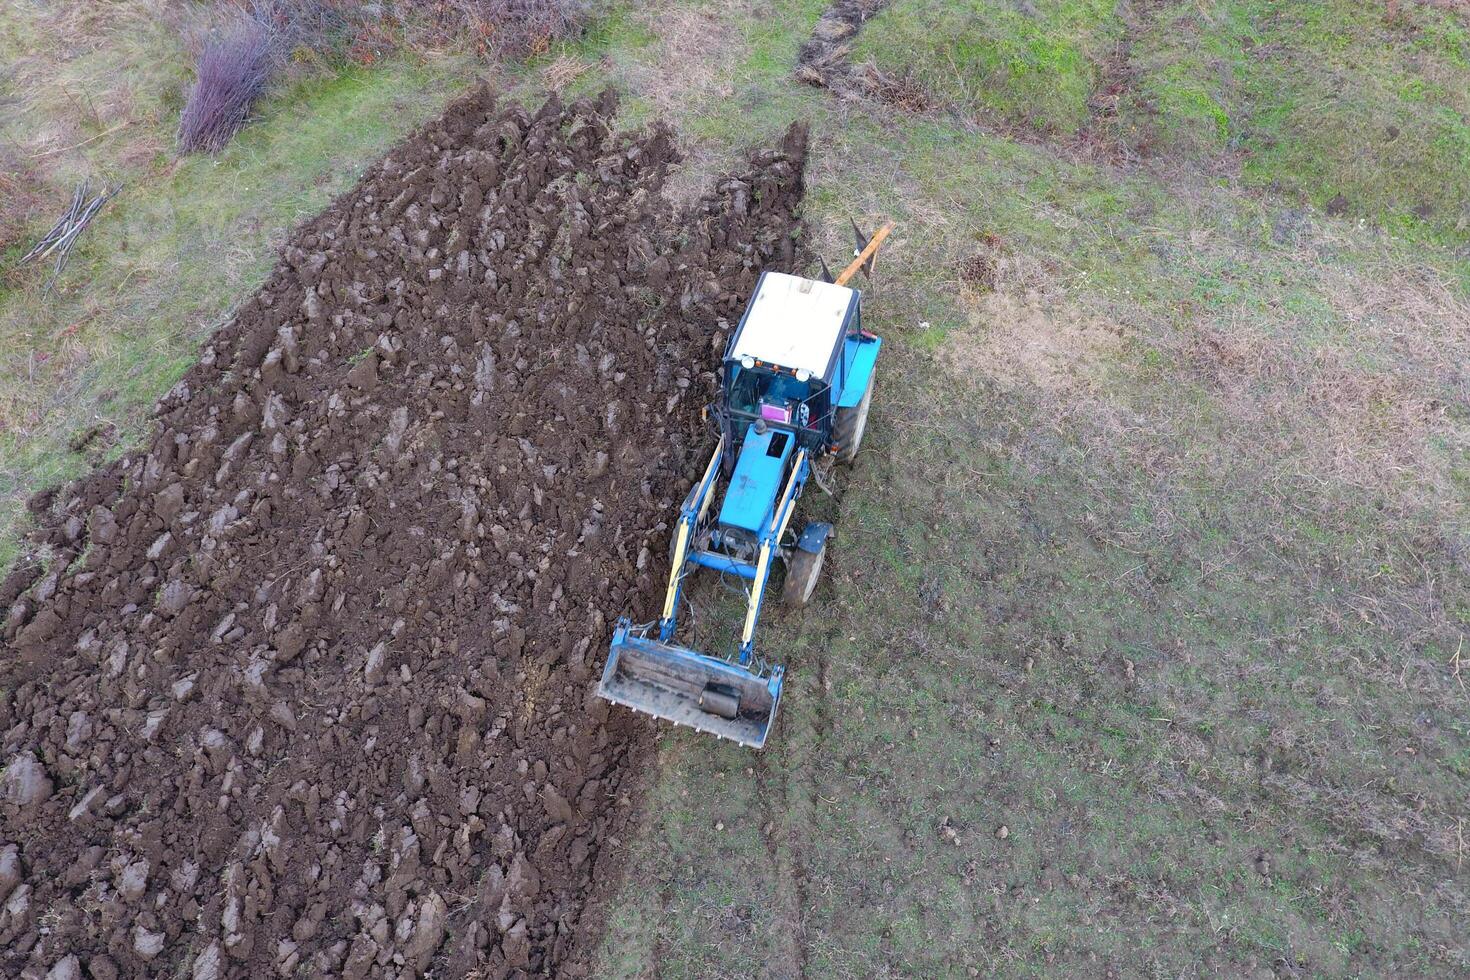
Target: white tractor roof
(794, 322)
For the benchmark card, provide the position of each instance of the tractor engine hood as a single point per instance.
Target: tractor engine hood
(750, 500)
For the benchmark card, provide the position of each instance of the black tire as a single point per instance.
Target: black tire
(849, 424)
(803, 570)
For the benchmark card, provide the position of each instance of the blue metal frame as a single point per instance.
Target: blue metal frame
(756, 481)
(813, 536)
(768, 545)
(715, 561)
(861, 350)
(691, 512)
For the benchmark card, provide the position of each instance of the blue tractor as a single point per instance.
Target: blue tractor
(797, 383)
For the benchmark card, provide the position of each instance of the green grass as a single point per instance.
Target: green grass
(1012, 706)
(1322, 102)
(1325, 100)
(1034, 64)
(106, 98)
(1142, 628)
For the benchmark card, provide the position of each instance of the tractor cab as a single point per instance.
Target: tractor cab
(798, 347)
(795, 347)
(799, 354)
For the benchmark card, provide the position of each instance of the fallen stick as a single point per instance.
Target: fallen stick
(63, 235)
(49, 239)
(62, 149)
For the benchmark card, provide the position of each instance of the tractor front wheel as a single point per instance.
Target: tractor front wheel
(849, 424)
(803, 570)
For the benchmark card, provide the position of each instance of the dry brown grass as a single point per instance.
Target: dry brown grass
(1303, 438)
(87, 92)
(1459, 7)
(1023, 331)
(694, 45)
(512, 28)
(1371, 407)
(21, 194)
(563, 71)
(1375, 404)
(87, 83)
(1366, 429)
(688, 68)
(1364, 420)
(903, 91)
(1413, 315)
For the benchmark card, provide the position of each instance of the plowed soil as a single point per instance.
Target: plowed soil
(307, 686)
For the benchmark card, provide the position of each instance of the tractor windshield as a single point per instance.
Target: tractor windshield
(777, 397)
(746, 391)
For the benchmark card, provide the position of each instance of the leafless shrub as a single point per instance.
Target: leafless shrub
(320, 26)
(520, 28)
(232, 70)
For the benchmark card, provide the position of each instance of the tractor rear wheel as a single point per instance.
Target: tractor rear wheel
(848, 425)
(803, 570)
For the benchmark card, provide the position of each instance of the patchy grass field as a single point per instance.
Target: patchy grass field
(1358, 108)
(1141, 649)
(1344, 105)
(1033, 64)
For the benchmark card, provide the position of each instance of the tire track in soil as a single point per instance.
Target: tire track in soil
(1112, 94)
(785, 819)
(661, 944)
(1115, 101)
(317, 663)
(791, 903)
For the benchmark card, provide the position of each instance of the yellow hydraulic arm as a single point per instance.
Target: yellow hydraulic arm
(688, 521)
(782, 517)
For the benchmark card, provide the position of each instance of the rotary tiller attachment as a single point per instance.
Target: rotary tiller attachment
(690, 688)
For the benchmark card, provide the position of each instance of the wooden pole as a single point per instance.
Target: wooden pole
(866, 254)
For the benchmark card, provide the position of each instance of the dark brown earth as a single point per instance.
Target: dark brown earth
(307, 686)
(823, 58)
